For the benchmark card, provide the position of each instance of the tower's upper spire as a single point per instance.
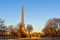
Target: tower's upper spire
(22, 14)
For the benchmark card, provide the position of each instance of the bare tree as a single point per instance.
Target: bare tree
(29, 28)
(12, 31)
(50, 27)
(2, 25)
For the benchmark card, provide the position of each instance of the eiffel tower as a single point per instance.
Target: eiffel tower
(21, 32)
(22, 25)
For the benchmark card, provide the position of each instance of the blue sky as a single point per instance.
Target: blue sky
(37, 12)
